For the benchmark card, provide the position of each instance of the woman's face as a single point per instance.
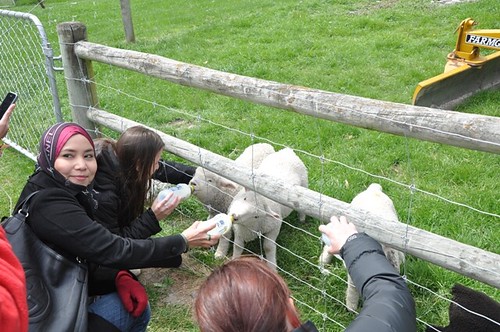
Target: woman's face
(76, 161)
(155, 166)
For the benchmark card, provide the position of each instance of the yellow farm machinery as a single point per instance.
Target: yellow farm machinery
(466, 71)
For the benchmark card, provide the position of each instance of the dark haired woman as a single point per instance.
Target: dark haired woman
(125, 171)
(124, 174)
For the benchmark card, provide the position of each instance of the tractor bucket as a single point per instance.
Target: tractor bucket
(449, 89)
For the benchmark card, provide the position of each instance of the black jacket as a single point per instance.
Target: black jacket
(61, 216)
(107, 184)
(387, 303)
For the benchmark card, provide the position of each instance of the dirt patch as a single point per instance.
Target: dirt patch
(176, 286)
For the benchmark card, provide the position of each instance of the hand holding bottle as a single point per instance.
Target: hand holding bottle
(336, 233)
(163, 208)
(169, 198)
(197, 234)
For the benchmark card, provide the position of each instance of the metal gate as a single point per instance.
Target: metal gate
(27, 68)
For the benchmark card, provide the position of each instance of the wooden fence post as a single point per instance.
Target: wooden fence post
(78, 73)
(127, 20)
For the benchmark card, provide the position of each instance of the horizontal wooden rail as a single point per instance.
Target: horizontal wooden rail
(471, 131)
(464, 259)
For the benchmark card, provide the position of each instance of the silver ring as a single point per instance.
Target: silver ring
(209, 237)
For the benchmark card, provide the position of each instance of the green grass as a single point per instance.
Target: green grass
(371, 49)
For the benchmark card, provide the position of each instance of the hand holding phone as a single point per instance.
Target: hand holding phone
(4, 107)
(9, 99)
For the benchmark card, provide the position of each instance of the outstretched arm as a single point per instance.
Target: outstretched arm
(173, 172)
(388, 304)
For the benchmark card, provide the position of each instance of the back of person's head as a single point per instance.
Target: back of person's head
(136, 150)
(245, 295)
(104, 144)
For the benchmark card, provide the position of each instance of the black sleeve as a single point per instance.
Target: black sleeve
(58, 219)
(174, 172)
(142, 227)
(388, 304)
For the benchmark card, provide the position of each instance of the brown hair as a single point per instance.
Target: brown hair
(245, 295)
(136, 150)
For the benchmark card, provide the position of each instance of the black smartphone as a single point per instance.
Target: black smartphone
(9, 99)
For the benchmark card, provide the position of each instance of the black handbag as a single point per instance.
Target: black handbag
(57, 287)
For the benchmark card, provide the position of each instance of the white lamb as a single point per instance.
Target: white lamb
(255, 214)
(378, 203)
(216, 192)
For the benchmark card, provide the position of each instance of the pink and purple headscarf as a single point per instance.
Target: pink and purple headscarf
(53, 140)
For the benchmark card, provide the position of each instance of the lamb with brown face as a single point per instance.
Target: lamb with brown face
(255, 214)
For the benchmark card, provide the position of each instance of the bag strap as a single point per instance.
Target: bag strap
(24, 211)
(24, 204)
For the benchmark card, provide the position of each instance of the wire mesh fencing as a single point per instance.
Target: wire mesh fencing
(26, 68)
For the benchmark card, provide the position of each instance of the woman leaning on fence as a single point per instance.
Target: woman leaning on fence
(126, 168)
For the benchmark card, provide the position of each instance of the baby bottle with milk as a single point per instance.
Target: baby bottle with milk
(223, 223)
(181, 190)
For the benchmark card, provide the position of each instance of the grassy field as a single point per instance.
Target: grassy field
(373, 49)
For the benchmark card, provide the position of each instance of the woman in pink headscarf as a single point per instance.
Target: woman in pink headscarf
(61, 215)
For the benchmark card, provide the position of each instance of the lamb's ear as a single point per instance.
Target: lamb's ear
(270, 212)
(227, 184)
(273, 214)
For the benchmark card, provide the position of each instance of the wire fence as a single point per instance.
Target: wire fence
(26, 67)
